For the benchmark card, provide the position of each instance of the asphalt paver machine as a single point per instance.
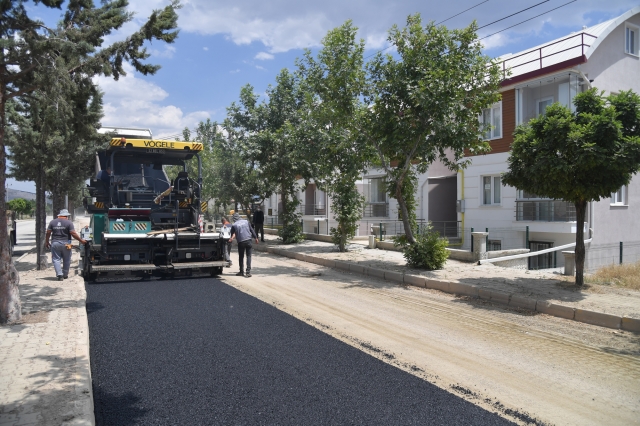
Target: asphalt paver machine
(142, 223)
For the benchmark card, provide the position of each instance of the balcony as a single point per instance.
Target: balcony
(376, 210)
(550, 57)
(545, 211)
(313, 209)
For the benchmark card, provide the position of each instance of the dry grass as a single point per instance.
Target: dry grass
(624, 276)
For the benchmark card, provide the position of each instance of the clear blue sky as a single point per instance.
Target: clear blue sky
(224, 45)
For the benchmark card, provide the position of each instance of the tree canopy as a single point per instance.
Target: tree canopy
(35, 58)
(578, 157)
(425, 104)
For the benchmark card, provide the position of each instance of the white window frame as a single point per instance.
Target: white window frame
(619, 198)
(496, 131)
(631, 44)
(539, 101)
(493, 195)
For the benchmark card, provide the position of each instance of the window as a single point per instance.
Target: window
(378, 190)
(619, 198)
(491, 190)
(491, 121)
(543, 104)
(631, 39)
(494, 245)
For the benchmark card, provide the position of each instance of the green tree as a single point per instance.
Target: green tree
(273, 137)
(337, 80)
(426, 103)
(33, 57)
(19, 205)
(578, 157)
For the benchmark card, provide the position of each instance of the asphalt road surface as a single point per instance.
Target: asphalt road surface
(198, 351)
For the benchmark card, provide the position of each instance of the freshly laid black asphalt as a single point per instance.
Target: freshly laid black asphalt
(199, 352)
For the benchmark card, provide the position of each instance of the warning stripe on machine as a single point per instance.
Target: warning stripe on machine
(99, 204)
(119, 226)
(203, 206)
(140, 226)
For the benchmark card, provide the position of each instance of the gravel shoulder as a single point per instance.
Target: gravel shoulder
(540, 285)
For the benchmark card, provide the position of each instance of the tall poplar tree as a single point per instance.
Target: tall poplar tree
(336, 80)
(33, 56)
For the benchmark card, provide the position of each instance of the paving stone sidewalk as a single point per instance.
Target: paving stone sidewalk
(541, 286)
(45, 377)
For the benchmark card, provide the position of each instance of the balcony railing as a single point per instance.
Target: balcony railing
(376, 210)
(313, 209)
(550, 54)
(546, 211)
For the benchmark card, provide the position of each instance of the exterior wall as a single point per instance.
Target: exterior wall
(503, 144)
(610, 67)
(612, 224)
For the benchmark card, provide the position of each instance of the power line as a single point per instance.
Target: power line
(451, 17)
(513, 14)
(537, 16)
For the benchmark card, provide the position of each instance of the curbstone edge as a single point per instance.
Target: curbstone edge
(375, 272)
(522, 302)
(500, 297)
(415, 280)
(555, 310)
(463, 289)
(630, 324)
(394, 276)
(598, 318)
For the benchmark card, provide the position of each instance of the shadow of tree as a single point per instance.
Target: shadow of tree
(93, 307)
(113, 409)
(37, 298)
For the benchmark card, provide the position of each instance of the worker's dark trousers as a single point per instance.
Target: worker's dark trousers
(242, 247)
(259, 227)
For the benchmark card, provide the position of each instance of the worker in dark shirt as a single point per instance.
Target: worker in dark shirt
(61, 230)
(258, 222)
(244, 233)
(105, 177)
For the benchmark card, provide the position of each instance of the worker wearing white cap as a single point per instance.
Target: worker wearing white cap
(61, 230)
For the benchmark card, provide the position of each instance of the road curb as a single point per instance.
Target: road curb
(452, 287)
(83, 385)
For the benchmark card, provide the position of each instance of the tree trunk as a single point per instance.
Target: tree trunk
(41, 220)
(283, 196)
(58, 200)
(581, 208)
(405, 213)
(10, 307)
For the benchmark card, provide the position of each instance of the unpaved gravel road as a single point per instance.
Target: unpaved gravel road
(521, 365)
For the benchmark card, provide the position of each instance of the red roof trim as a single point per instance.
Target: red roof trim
(547, 70)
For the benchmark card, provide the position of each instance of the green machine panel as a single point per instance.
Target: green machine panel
(98, 223)
(129, 226)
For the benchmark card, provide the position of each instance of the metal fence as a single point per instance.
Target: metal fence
(546, 211)
(601, 255)
(375, 210)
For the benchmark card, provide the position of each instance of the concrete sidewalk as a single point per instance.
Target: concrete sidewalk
(45, 377)
(537, 291)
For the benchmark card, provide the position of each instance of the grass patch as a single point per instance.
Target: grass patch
(625, 276)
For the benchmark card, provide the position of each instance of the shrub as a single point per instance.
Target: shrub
(429, 251)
